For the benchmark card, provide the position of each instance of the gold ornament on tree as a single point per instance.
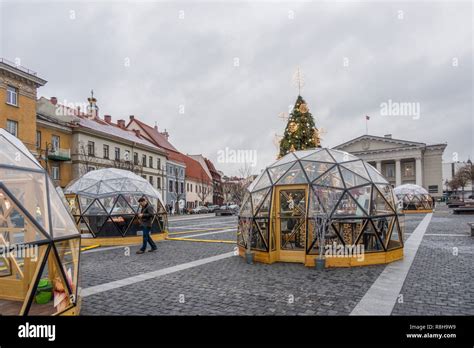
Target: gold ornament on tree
(292, 127)
(292, 148)
(303, 108)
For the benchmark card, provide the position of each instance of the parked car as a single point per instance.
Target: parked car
(212, 208)
(227, 210)
(200, 210)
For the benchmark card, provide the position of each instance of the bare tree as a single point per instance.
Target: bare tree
(204, 190)
(175, 193)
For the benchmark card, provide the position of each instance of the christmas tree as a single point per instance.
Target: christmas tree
(301, 132)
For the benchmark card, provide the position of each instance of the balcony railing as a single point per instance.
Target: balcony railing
(19, 67)
(60, 154)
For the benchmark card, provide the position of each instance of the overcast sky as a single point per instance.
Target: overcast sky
(230, 67)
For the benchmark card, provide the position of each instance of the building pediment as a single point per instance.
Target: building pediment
(367, 143)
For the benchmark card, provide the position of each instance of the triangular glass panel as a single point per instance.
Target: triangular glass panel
(122, 207)
(396, 236)
(379, 205)
(331, 178)
(382, 226)
(261, 226)
(13, 156)
(277, 172)
(68, 252)
(304, 153)
(387, 192)
(328, 197)
(29, 188)
(348, 207)
(375, 175)
(245, 225)
(362, 196)
(17, 227)
(246, 209)
(322, 156)
(357, 167)
(95, 209)
(315, 207)
(293, 176)
(264, 209)
(315, 169)
(107, 203)
(62, 222)
(368, 238)
(133, 201)
(92, 190)
(262, 181)
(257, 199)
(341, 156)
(51, 295)
(351, 179)
(290, 157)
(94, 223)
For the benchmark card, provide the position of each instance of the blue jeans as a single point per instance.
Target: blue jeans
(147, 238)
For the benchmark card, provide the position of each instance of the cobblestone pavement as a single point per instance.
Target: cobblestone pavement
(231, 287)
(440, 281)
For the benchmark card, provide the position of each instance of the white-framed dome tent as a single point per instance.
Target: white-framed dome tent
(104, 203)
(39, 241)
(320, 193)
(414, 199)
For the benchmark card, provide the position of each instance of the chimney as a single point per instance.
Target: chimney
(121, 123)
(137, 132)
(53, 100)
(388, 136)
(108, 118)
(132, 117)
(156, 127)
(165, 134)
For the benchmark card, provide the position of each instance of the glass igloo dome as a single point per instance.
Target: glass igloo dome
(318, 195)
(414, 198)
(39, 241)
(104, 203)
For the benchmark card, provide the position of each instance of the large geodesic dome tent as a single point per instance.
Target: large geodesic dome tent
(310, 200)
(39, 241)
(105, 205)
(414, 198)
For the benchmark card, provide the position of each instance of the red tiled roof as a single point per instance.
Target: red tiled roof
(157, 137)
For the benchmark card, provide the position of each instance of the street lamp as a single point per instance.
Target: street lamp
(470, 174)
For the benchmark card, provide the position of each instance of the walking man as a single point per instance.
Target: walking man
(146, 217)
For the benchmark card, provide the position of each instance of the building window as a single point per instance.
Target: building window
(433, 189)
(158, 163)
(91, 148)
(176, 187)
(55, 143)
(106, 151)
(150, 162)
(150, 178)
(390, 170)
(158, 182)
(182, 187)
(12, 127)
(90, 168)
(12, 95)
(144, 160)
(117, 153)
(38, 139)
(127, 155)
(408, 169)
(135, 158)
(55, 172)
(170, 186)
(144, 177)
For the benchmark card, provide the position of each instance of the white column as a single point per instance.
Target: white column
(398, 173)
(378, 165)
(418, 172)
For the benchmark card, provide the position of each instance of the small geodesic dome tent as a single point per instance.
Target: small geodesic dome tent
(105, 205)
(321, 201)
(414, 198)
(39, 242)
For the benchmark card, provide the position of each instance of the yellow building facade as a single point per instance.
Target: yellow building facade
(18, 87)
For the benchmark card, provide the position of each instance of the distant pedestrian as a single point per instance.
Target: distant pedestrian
(146, 217)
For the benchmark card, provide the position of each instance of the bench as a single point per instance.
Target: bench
(463, 210)
(471, 225)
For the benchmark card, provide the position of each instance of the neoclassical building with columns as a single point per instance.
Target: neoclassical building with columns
(401, 161)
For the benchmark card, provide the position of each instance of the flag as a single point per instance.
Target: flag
(367, 117)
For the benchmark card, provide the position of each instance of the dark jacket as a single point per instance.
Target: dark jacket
(148, 214)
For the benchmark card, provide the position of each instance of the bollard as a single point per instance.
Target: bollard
(249, 257)
(320, 264)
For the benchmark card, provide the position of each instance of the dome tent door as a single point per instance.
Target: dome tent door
(291, 222)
